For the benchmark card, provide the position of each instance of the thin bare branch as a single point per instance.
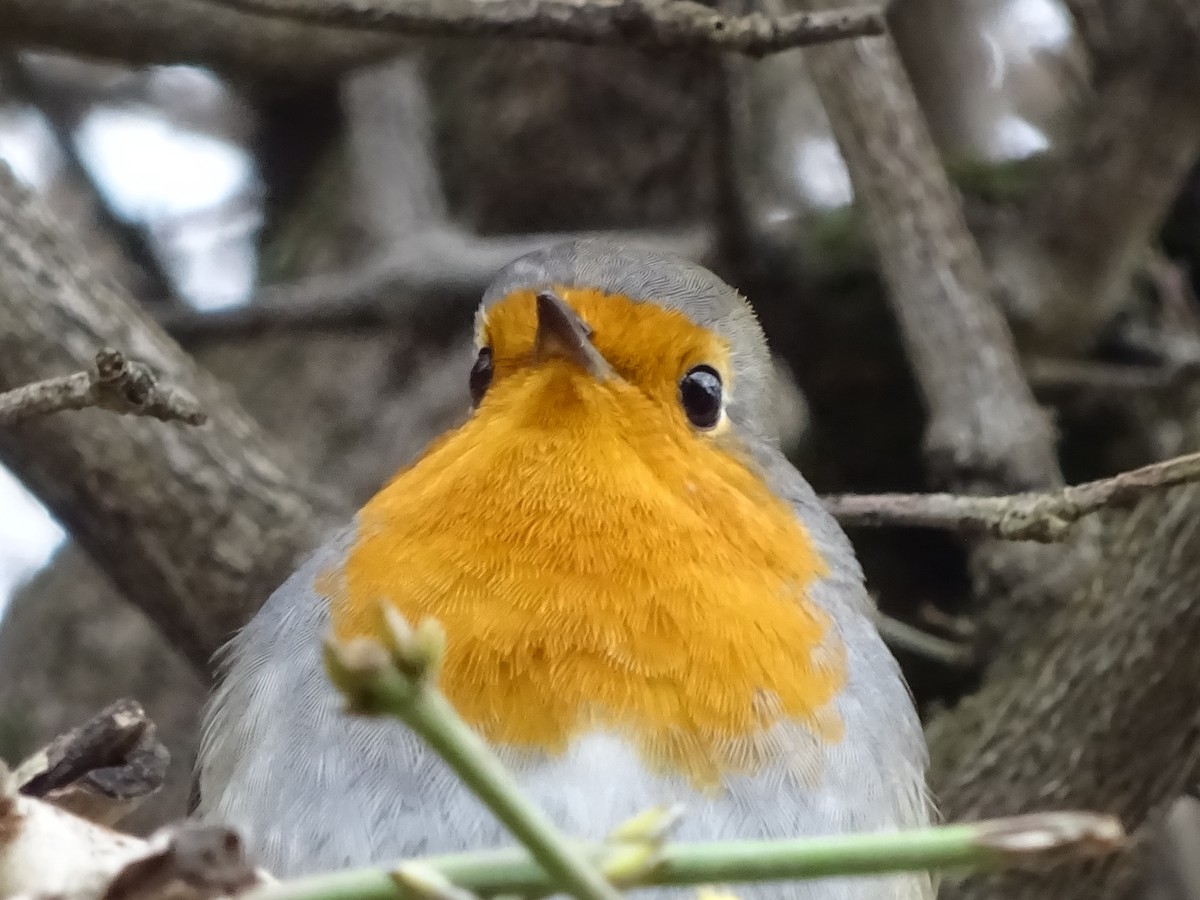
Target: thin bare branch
(676, 24)
(114, 383)
(1042, 517)
(1061, 375)
(438, 264)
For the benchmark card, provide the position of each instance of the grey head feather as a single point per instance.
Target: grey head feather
(649, 276)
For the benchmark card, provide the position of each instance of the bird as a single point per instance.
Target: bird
(645, 604)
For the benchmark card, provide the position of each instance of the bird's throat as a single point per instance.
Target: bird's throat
(593, 571)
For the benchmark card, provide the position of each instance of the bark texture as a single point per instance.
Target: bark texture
(351, 407)
(260, 48)
(984, 431)
(1100, 710)
(208, 519)
(1066, 266)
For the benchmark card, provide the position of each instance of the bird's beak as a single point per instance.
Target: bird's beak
(561, 333)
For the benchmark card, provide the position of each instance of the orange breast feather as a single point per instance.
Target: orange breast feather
(597, 565)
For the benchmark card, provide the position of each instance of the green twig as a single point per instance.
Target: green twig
(398, 679)
(1022, 842)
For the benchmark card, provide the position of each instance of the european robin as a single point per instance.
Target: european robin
(644, 602)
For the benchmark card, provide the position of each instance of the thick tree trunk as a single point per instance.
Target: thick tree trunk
(1100, 709)
(71, 643)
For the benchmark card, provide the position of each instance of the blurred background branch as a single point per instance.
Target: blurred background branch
(1066, 264)
(664, 24)
(253, 47)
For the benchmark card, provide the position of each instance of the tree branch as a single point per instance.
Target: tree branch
(285, 54)
(1066, 265)
(428, 270)
(1099, 707)
(985, 431)
(1032, 841)
(113, 383)
(280, 50)
(1066, 376)
(1045, 517)
(210, 519)
(429, 267)
(674, 24)
(1082, 672)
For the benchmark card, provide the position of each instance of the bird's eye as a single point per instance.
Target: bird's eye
(481, 375)
(700, 394)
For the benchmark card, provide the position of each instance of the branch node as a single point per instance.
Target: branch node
(128, 386)
(113, 383)
(1047, 839)
(425, 881)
